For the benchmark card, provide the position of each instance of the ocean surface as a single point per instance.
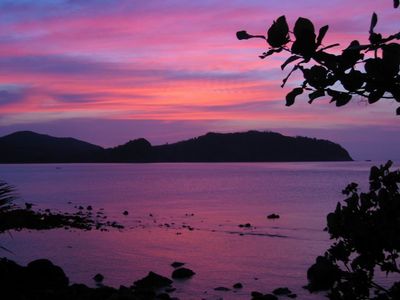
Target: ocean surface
(187, 212)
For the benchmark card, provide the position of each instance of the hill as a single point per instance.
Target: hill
(251, 146)
(31, 147)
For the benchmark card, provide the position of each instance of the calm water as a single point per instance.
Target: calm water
(212, 198)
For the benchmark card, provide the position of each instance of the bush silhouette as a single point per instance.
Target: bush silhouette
(366, 230)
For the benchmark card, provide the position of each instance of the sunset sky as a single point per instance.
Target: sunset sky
(108, 71)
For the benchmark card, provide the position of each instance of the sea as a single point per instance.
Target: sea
(187, 212)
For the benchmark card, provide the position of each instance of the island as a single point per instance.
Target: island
(250, 146)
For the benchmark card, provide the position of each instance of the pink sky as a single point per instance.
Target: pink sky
(109, 71)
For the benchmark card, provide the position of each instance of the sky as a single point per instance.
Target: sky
(108, 71)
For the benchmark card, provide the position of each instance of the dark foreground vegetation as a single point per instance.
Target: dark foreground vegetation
(251, 146)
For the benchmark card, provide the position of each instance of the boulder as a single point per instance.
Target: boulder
(238, 285)
(152, 281)
(43, 274)
(182, 273)
(177, 264)
(273, 216)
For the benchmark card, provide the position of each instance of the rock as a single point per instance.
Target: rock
(182, 273)
(98, 278)
(292, 296)
(238, 285)
(177, 264)
(222, 288)
(260, 296)
(43, 274)
(89, 207)
(125, 213)
(153, 281)
(281, 291)
(269, 297)
(11, 274)
(273, 216)
(256, 295)
(247, 225)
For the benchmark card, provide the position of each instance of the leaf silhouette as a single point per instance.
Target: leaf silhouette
(305, 38)
(270, 52)
(314, 95)
(278, 33)
(374, 21)
(339, 98)
(321, 34)
(303, 26)
(375, 96)
(289, 60)
(243, 35)
(396, 3)
(398, 111)
(292, 95)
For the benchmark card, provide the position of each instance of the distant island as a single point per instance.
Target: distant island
(251, 146)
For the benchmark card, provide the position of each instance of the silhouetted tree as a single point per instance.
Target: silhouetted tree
(352, 73)
(366, 228)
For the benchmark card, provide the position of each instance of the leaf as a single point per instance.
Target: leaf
(391, 58)
(305, 38)
(270, 52)
(339, 98)
(330, 46)
(375, 38)
(343, 99)
(374, 21)
(352, 81)
(321, 34)
(375, 96)
(292, 95)
(303, 26)
(278, 33)
(287, 77)
(395, 91)
(314, 95)
(243, 35)
(289, 60)
(396, 3)
(316, 76)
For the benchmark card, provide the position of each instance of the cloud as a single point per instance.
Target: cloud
(169, 61)
(13, 93)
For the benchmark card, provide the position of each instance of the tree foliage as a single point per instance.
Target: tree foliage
(368, 71)
(366, 230)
